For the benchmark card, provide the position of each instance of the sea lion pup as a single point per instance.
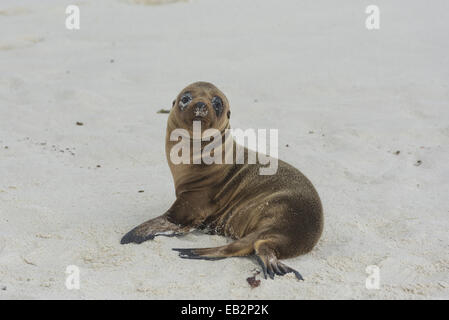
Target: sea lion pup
(274, 216)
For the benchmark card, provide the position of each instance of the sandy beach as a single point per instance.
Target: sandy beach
(364, 114)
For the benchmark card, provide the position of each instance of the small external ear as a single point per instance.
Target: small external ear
(229, 114)
(173, 103)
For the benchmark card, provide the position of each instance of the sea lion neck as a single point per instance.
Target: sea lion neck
(194, 174)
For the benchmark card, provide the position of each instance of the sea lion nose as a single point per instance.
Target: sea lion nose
(200, 109)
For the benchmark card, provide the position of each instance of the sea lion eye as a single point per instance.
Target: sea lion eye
(217, 103)
(185, 100)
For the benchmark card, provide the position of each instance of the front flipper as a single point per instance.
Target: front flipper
(271, 266)
(159, 226)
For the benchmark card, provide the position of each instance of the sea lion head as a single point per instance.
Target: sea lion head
(204, 102)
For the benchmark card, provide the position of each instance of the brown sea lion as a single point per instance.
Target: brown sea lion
(273, 217)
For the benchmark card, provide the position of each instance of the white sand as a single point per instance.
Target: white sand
(300, 66)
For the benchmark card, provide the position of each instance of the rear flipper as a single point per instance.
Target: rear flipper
(196, 254)
(239, 248)
(243, 247)
(271, 265)
(266, 250)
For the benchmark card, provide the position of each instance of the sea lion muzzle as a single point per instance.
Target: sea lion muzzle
(200, 109)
